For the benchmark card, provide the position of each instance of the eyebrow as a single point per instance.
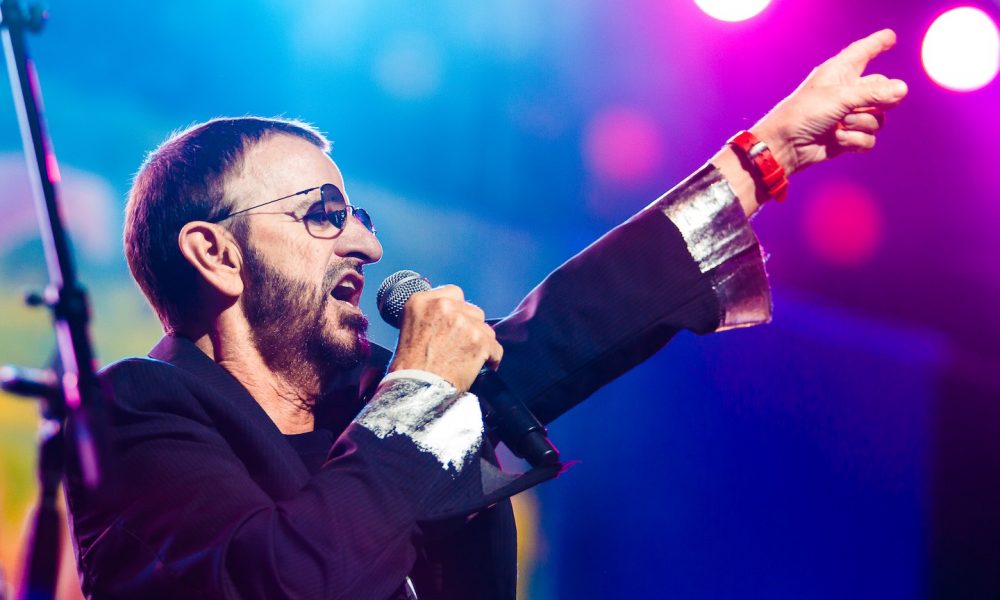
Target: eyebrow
(305, 200)
(304, 203)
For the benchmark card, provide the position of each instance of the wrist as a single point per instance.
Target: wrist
(739, 179)
(757, 159)
(415, 374)
(782, 151)
(447, 374)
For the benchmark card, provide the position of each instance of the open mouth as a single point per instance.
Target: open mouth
(348, 289)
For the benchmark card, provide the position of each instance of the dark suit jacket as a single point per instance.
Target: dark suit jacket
(208, 500)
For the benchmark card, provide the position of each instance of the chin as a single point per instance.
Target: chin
(364, 348)
(348, 339)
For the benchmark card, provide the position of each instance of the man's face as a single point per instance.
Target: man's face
(301, 292)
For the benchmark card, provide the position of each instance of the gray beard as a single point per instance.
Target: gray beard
(286, 320)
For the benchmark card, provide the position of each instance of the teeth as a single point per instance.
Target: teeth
(345, 290)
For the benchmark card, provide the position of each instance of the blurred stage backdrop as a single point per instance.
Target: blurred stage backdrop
(851, 449)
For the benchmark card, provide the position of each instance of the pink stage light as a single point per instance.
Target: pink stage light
(623, 145)
(961, 49)
(843, 224)
(732, 10)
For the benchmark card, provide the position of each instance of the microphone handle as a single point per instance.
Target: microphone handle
(517, 427)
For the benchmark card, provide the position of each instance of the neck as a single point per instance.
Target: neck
(287, 401)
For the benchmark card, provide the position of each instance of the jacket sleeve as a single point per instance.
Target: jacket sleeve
(687, 261)
(186, 516)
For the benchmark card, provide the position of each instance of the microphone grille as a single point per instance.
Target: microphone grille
(395, 291)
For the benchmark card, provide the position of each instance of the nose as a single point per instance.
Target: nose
(357, 242)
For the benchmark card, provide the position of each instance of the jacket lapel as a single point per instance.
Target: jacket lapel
(268, 456)
(253, 436)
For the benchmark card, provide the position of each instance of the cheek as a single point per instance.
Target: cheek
(301, 262)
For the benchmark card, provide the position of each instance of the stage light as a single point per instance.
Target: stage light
(961, 49)
(623, 145)
(843, 223)
(732, 10)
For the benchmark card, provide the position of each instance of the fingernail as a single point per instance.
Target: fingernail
(899, 88)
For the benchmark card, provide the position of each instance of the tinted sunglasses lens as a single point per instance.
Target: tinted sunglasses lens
(335, 208)
(333, 204)
(362, 215)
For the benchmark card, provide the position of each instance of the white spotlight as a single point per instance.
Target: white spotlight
(732, 10)
(961, 49)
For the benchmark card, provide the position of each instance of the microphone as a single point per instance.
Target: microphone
(503, 412)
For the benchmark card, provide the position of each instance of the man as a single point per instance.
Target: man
(260, 451)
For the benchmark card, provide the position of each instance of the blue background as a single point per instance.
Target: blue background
(846, 450)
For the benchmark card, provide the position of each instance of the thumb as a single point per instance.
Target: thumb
(874, 90)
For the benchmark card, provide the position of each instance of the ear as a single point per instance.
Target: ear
(213, 252)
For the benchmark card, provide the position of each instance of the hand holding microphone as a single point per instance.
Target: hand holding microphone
(442, 333)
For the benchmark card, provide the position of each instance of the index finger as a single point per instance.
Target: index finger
(860, 53)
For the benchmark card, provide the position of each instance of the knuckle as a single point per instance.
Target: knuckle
(418, 299)
(475, 336)
(482, 333)
(879, 89)
(435, 307)
(487, 341)
(430, 303)
(447, 305)
(476, 312)
(452, 291)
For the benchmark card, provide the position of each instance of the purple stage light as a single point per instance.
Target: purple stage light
(732, 10)
(961, 49)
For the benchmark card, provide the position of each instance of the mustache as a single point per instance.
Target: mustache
(335, 273)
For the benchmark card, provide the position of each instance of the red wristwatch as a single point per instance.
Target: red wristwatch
(765, 167)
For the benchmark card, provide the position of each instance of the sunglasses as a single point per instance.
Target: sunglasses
(326, 217)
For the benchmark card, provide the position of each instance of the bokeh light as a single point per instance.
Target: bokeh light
(88, 206)
(623, 145)
(961, 49)
(732, 10)
(843, 223)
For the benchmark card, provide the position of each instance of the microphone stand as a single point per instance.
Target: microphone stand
(72, 403)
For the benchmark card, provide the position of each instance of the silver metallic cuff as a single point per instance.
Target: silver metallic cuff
(708, 214)
(434, 416)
